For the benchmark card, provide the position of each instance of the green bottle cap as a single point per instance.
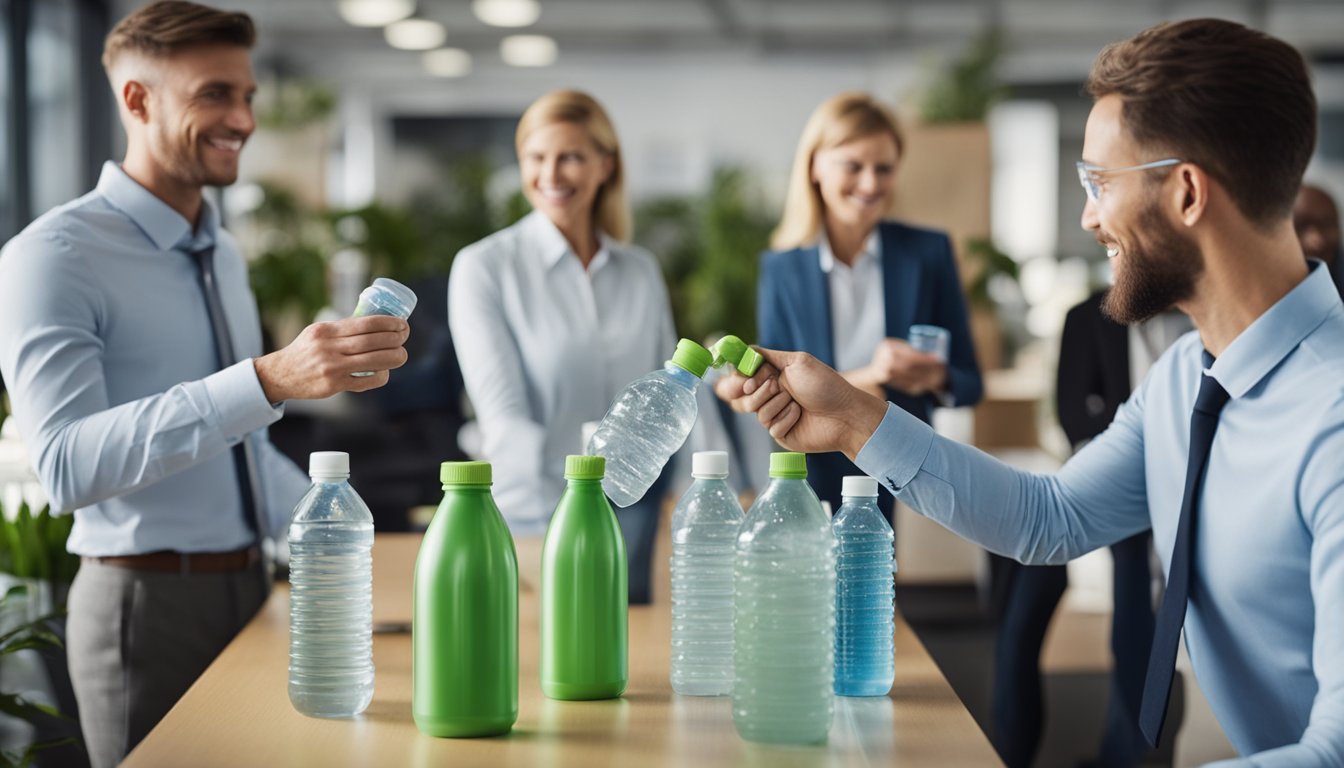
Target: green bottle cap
(789, 465)
(692, 357)
(465, 473)
(585, 467)
(731, 349)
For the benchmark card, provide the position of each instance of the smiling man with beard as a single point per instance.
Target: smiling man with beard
(1229, 449)
(131, 346)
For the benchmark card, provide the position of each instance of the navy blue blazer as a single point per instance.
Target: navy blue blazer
(919, 286)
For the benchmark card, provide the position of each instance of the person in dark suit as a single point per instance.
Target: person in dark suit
(1098, 368)
(845, 284)
(1316, 220)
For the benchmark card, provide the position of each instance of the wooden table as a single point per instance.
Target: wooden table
(238, 713)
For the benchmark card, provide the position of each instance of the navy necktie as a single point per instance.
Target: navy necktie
(244, 463)
(1171, 615)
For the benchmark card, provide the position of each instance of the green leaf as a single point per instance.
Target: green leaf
(15, 705)
(36, 639)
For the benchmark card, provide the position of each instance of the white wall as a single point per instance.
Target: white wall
(678, 116)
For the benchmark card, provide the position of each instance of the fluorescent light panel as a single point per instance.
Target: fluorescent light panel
(415, 34)
(448, 62)
(375, 13)
(507, 13)
(528, 50)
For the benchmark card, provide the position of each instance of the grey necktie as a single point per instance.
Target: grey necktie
(244, 461)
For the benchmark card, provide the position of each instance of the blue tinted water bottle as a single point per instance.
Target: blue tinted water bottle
(865, 593)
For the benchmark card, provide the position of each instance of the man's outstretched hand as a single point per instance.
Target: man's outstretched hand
(805, 405)
(319, 363)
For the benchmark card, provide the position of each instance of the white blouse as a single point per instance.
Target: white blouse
(858, 310)
(545, 346)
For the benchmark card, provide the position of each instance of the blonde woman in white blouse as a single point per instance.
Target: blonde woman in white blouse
(554, 315)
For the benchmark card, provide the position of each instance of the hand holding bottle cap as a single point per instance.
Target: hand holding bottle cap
(732, 350)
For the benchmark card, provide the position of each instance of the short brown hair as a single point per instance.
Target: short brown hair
(1234, 101)
(163, 28)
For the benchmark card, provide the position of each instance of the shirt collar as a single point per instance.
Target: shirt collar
(552, 246)
(1276, 333)
(165, 227)
(827, 257)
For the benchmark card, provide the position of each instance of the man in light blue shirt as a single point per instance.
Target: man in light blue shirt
(1193, 154)
(132, 350)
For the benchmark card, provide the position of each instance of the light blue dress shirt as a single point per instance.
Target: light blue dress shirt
(545, 346)
(1265, 625)
(107, 350)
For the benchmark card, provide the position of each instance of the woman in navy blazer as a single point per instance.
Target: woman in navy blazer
(845, 284)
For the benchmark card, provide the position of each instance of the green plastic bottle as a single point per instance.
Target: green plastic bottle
(464, 631)
(584, 633)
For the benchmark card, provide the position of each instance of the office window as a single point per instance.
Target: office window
(55, 116)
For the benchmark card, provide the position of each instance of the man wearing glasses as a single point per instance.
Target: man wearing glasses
(1230, 448)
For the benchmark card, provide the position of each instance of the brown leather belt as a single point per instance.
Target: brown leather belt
(185, 562)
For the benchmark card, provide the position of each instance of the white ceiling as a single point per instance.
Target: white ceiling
(1047, 39)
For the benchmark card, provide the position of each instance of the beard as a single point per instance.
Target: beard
(1158, 272)
(186, 164)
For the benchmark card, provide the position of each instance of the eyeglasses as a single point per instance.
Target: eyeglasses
(1087, 174)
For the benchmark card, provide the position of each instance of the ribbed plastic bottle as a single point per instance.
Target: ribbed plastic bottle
(464, 632)
(648, 423)
(584, 591)
(865, 593)
(704, 535)
(330, 594)
(784, 617)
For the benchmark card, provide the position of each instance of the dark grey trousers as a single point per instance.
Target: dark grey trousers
(138, 639)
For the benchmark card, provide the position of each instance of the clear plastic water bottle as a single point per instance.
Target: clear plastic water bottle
(648, 423)
(704, 533)
(865, 593)
(385, 297)
(331, 594)
(784, 612)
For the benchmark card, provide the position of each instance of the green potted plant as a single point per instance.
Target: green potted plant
(709, 248)
(28, 634)
(38, 571)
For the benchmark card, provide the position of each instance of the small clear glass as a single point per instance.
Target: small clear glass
(931, 339)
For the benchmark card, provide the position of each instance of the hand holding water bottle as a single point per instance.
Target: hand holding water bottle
(321, 361)
(901, 365)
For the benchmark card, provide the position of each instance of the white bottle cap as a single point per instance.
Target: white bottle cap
(709, 464)
(858, 485)
(328, 464)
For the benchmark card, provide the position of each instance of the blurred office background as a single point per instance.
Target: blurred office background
(385, 144)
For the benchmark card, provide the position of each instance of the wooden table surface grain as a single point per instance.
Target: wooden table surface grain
(238, 713)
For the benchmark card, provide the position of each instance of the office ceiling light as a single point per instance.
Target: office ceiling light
(375, 13)
(528, 50)
(448, 62)
(507, 13)
(415, 34)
